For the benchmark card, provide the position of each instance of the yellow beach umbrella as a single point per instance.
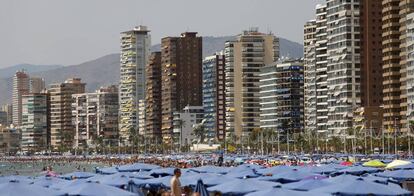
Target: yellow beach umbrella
(396, 163)
(374, 163)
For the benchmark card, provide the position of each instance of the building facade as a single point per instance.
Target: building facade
(62, 131)
(184, 123)
(181, 59)
(9, 140)
(135, 50)
(153, 98)
(410, 68)
(37, 84)
(244, 59)
(8, 108)
(282, 96)
(95, 116)
(214, 96)
(21, 87)
(344, 64)
(34, 122)
(310, 90)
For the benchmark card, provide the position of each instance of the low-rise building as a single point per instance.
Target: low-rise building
(184, 122)
(9, 140)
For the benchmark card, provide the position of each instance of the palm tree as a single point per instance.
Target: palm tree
(199, 132)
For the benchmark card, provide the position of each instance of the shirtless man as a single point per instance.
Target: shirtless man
(175, 183)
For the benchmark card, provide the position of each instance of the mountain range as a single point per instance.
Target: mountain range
(104, 71)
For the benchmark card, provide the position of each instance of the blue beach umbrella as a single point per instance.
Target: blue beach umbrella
(398, 175)
(242, 174)
(211, 169)
(117, 180)
(362, 187)
(201, 189)
(95, 189)
(137, 167)
(78, 175)
(16, 188)
(292, 176)
(358, 170)
(408, 166)
(306, 185)
(242, 186)
(284, 192)
(275, 170)
(163, 171)
(107, 170)
(48, 181)
(141, 175)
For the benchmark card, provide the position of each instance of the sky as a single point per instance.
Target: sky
(68, 32)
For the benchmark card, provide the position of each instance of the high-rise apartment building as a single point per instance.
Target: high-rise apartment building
(371, 63)
(310, 90)
(135, 51)
(244, 59)
(181, 59)
(34, 122)
(344, 64)
(410, 67)
(8, 110)
(21, 87)
(37, 85)
(214, 96)
(153, 97)
(62, 131)
(282, 96)
(95, 116)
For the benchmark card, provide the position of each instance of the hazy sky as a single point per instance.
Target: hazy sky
(73, 31)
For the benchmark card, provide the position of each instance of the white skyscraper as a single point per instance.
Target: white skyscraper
(135, 51)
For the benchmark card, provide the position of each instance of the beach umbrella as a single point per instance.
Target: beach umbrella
(374, 163)
(408, 166)
(346, 163)
(284, 192)
(106, 170)
(397, 175)
(397, 163)
(242, 186)
(163, 182)
(137, 167)
(141, 175)
(117, 180)
(95, 189)
(326, 169)
(163, 171)
(211, 169)
(306, 185)
(358, 170)
(13, 188)
(63, 184)
(201, 189)
(291, 176)
(242, 174)
(78, 175)
(21, 179)
(48, 181)
(362, 187)
(275, 170)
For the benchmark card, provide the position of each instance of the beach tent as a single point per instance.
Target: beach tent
(306, 185)
(284, 192)
(16, 188)
(95, 189)
(201, 189)
(137, 167)
(374, 163)
(397, 163)
(242, 186)
(77, 175)
(362, 187)
(397, 175)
